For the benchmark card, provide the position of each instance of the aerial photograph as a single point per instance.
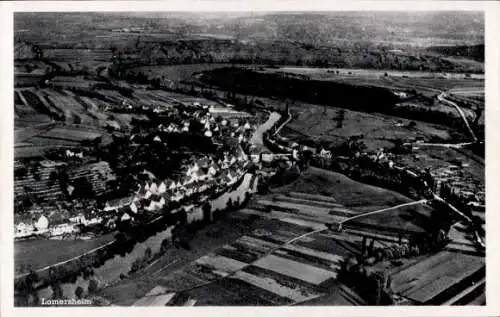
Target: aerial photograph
(249, 158)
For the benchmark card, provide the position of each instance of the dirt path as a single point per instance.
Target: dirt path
(374, 212)
(442, 98)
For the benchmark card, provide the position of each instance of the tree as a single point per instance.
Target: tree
(92, 288)
(229, 204)
(79, 292)
(207, 209)
(57, 291)
(147, 253)
(340, 118)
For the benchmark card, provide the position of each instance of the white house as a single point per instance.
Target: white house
(42, 223)
(133, 208)
(62, 229)
(125, 217)
(212, 171)
(172, 185)
(153, 188)
(162, 188)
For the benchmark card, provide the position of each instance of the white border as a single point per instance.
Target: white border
(492, 11)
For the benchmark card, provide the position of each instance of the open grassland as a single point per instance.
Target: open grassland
(43, 252)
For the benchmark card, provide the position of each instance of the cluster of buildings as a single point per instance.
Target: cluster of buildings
(199, 176)
(204, 174)
(234, 126)
(42, 227)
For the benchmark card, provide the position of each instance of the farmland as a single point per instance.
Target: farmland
(321, 124)
(347, 191)
(278, 262)
(258, 264)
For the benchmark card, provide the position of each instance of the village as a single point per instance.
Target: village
(213, 160)
(200, 174)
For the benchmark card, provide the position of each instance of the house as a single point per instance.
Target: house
(133, 208)
(153, 188)
(64, 228)
(171, 185)
(212, 171)
(193, 169)
(162, 188)
(42, 223)
(125, 217)
(142, 192)
(117, 203)
(203, 162)
(177, 197)
(80, 218)
(201, 175)
(23, 230)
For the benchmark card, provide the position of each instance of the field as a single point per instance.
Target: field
(255, 260)
(428, 84)
(40, 253)
(345, 190)
(435, 275)
(323, 73)
(320, 123)
(176, 73)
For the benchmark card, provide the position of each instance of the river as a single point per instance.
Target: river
(257, 138)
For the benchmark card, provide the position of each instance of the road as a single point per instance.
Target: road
(442, 98)
(447, 145)
(374, 212)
